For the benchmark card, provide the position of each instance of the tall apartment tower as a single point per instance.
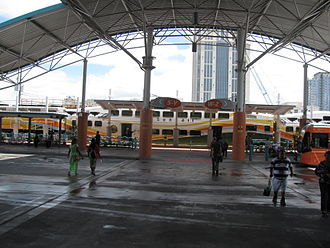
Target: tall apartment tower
(319, 91)
(214, 71)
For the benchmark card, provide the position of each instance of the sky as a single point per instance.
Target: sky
(119, 74)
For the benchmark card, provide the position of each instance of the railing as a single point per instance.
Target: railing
(49, 140)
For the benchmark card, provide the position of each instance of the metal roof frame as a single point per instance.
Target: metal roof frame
(37, 43)
(195, 106)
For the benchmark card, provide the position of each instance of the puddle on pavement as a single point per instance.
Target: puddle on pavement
(113, 227)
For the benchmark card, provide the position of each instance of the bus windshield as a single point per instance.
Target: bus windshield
(320, 140)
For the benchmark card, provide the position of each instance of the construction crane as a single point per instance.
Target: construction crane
(261, 86)
(259, 83)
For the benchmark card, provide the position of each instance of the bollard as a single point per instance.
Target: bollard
(250, 152)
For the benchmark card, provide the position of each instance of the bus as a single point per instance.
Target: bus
(315, 142)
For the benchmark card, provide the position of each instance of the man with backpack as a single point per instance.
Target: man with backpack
(93, 154)
(216, 154)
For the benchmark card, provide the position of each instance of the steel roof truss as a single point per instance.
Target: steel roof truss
(53, 36)
(306, 21)
(255, 20)
(93, 25)
(130, 14)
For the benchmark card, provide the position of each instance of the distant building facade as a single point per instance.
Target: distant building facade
(214, 71)
(319, 91)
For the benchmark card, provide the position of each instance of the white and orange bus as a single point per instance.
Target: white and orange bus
(315, 142)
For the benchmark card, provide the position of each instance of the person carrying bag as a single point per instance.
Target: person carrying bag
(268, 189)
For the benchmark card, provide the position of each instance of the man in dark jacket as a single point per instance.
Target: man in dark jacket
(323, 171)
(216, 154)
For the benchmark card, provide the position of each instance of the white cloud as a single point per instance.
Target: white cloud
(126, 79)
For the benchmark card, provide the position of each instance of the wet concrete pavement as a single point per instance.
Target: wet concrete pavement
(171, 200)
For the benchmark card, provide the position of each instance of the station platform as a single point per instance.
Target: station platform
(170, 200)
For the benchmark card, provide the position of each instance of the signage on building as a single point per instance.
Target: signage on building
(219, 104)
(213, 104)
(165, 103)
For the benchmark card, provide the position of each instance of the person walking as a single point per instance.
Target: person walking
(225, 149)
(216, 154)
(74, 156)
(280, 168)
(323, 171)
(98, 138)
(36, 141)
(93, 154)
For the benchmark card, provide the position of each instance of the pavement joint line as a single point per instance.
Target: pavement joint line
(218, 224)
(39, 208)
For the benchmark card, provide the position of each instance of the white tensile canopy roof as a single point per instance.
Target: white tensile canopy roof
(42, 39)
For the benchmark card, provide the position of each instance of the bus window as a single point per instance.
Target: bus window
(195, 132)
(98, 123)
(320, 140)
(115, 112)
(167, 131)
(137, 113)
(267, 128)
(289, 129)
(183, 132)
(168, 114)
(251, 128)
(155, 113)
(155, 131)
(306, 143)
(90, 123)
(126, 113)
(223, 116)
(196, 115)
(182, 114)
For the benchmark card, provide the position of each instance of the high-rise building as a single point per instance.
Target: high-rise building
(214, 71)
(319, 91)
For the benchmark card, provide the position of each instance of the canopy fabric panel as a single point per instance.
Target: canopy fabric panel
(64, 27)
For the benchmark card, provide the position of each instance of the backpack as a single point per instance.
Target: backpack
(92, 153)
(217, 149)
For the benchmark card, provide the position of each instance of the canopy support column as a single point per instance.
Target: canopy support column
(29, 131)
(176, 131)
(83, 116)
(303, 120)
(59, 131)
(278, 129)
(210, 132)
(239, 131)
(145, 143)
(0, 130)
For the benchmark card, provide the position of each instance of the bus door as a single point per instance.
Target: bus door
(306, 143)
(126, 129)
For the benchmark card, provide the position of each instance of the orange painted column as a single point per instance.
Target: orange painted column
(239, 134)
(145, 143)
(82, 130)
